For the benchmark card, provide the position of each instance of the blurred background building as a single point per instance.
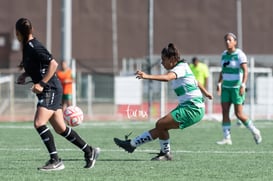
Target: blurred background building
(197, 28)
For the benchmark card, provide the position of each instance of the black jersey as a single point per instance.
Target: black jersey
(36, 61)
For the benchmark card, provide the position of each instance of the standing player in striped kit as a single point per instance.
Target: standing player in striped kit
(231, 86)
(190, 110)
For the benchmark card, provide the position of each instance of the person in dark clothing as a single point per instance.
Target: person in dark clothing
(41, 67)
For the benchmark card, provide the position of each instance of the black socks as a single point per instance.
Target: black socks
(74, 138)
(69, 134)
(48, 140)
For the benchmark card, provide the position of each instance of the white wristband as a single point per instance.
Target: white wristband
(243, 85)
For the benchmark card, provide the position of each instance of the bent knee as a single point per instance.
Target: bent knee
(159, 125)
(38, 124)
(166, 124)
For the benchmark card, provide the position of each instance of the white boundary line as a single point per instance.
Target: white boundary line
(106, 125)
(147, 151)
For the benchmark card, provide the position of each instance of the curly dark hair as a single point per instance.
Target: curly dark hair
(170, 51)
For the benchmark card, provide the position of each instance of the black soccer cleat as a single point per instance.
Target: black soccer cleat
(126, 145)
(91, 159)
(162, 157)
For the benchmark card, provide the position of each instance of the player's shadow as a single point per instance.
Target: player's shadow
(104, 159)
(121, 160)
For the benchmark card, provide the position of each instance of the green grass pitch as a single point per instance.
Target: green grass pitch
(196, 155)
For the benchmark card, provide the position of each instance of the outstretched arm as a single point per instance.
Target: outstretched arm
(162, 77)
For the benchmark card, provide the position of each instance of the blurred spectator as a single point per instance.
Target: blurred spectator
(200, 71)
(66, 78)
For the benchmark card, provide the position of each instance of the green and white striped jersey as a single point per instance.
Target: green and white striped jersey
(232, 72)
(185, 85)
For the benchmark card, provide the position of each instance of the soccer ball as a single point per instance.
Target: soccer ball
(73, 116)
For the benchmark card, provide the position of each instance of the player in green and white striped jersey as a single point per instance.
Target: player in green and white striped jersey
(231, 86)
(189, 111)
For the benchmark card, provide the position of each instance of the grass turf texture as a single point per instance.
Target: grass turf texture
(196, 155)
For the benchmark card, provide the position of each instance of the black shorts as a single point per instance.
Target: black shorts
(50, 98)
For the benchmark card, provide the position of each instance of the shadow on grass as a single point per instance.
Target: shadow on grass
(107, 159)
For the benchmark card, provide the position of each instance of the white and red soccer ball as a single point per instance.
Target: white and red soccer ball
(73, 116)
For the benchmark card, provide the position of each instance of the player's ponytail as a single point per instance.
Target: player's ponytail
(24, 27)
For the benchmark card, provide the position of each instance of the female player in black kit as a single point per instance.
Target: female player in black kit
(39, 64)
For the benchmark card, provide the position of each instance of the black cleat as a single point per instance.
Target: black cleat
(91, 159)
(126, 145)
(162, 157)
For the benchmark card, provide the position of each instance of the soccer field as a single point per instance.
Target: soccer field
(196, 156)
